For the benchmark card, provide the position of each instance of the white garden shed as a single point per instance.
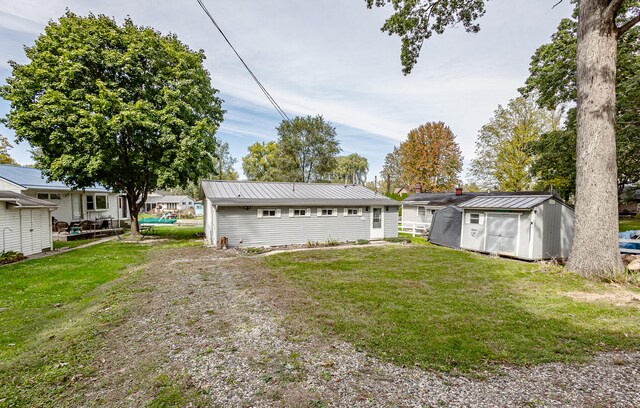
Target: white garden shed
(531, 227)
(25, 223)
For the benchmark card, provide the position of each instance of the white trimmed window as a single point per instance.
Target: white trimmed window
(299, 212)
(97, 202)
(327, 212)
(352, 212)
(49, 196)
(268, 213)
(422, 212)
(475, 218)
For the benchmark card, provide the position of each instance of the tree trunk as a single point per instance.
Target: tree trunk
(134, 211)
(595, 243)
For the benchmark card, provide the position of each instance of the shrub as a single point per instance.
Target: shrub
(11, 256)
(332, 242)
(256, 250)
(399, 240)
(362, 242)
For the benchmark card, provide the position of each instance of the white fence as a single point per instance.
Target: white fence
(627, 250)
(415, 228)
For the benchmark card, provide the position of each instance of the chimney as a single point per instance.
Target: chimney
(458, 191)
(418, 188)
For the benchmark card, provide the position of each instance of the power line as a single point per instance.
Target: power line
(264, 90)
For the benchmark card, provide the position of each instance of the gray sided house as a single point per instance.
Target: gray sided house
(252, 214)
(531, 227)
(25, 223)
(92, 203)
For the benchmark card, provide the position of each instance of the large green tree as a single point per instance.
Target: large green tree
(224, 163)
(503, 156)
(553, 79)
(123, 106)
(601, 24)
(262, 162)
(5, 158)
(350, 169)
(308, 147)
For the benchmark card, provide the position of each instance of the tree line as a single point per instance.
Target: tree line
(306, 151)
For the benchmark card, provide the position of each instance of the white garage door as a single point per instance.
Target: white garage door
(27, 231)
(502, 233)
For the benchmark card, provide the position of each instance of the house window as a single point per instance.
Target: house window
(352, 212)
(422, 211)
(268, 213)
(97, 202)
(327, 212)
(48, 196)
(299, 213)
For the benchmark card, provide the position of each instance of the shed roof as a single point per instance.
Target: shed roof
(231, 193)
(31, 178)
(24, 201)
(447, 199)
(506, 202)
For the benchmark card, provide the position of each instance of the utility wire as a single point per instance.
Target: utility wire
(264, 90)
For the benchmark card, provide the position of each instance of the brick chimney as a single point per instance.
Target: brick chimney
(418, 188)
(458, 191)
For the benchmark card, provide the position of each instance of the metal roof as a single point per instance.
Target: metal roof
(24, 201)
(506, 202)
(167, 199)
(230, 193)
(446, 199)
(28, 177)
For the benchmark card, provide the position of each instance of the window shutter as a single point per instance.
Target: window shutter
(335, 212)
(360, 211)
(481, 219)
(278, 213)
(290, 212)
(319, 213)
(259, 213)
(308, 212)
(345, 212)
(467, 218)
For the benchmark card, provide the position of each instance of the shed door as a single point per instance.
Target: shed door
(26, 231)
(377, 223)
(502, 233)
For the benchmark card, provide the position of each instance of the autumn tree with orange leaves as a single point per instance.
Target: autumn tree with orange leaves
(430, 156)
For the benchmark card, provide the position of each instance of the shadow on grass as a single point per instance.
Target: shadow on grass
(452, 310)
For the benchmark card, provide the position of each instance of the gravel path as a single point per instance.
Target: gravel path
(202, 317)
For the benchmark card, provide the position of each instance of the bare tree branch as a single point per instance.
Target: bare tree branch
(628, 25)
(612, 9)
(557, 4)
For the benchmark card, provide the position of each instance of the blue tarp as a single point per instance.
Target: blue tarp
(629, 235)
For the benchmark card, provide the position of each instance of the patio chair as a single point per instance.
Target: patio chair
(61, 226)
(85, 225)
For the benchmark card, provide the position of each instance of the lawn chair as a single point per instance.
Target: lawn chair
(62, 226)
(85, 225)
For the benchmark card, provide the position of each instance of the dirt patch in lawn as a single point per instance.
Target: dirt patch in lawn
(618, 296)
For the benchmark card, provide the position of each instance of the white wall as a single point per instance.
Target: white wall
(64, 211)
(25, 230)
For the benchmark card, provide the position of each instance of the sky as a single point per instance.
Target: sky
(325, 57)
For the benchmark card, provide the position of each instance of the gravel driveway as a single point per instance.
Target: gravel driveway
(204, 319)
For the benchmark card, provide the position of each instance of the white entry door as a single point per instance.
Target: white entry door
(502, 234)
(377, 223)
(26, 231)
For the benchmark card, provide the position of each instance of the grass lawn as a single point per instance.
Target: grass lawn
(177, 232)
(451, 310)
(629, 224)
(72, 244)
(50, 321)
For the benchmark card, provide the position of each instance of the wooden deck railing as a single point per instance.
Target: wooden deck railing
(412, 227)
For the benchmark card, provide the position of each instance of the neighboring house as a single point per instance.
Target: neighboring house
(91, 203)
(418, 208)
(254, 214)
(25, 223)
(531, 227)
(161, 203)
